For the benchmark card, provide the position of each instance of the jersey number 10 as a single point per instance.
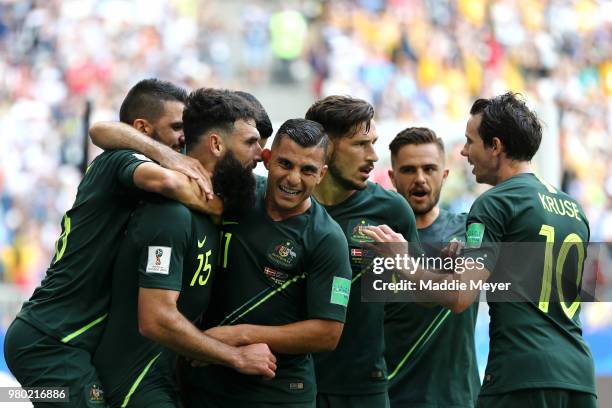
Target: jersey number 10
(570, 240)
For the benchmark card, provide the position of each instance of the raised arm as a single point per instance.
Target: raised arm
(456, 300)
(307, 336)
(176, 186)
(160, 321)
(117, 135)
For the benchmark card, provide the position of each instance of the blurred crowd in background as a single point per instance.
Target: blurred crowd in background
(417, 61)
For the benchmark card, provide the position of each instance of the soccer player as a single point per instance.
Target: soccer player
(143, 128)
(430, 352)
(262, 120)
(286, 280)
(52, 339)
(264, 127)
(116, 135)
(165, 268)
(355, 375)
(537, 355)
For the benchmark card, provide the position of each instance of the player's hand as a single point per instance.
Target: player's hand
(256, 359)
(230, 335)
(213, 207)
(383, 234)
(453, 249)
(190, 167)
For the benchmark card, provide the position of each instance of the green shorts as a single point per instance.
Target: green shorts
(151, 397)
(380, 400)
(197, 398)
(38, 360)
(539, 398)
(151, 390)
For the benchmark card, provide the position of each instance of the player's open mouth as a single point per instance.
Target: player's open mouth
(288, 190)
(366, 170)
(418, 193)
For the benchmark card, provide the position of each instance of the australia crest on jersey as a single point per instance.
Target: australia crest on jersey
(356, 228)
(283, 254)
(96, 394)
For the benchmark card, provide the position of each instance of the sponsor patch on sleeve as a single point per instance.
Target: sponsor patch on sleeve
(341, 290)
(141, 157)
(474, 234)
(159, 260)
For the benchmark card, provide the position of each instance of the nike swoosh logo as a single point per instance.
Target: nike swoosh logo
(201, 244)
(230, 223)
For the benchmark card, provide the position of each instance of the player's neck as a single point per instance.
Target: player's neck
(208, 161)
(511, 168)
(279, 214)
(425, 220)
(330, 192)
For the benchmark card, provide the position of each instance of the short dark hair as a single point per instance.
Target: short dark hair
(415, 136)
(146, 100)
(208, 108)
(305, 133)
(508, 118)
(262, 120)
(340, 115)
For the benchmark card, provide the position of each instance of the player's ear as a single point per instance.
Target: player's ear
(266, 154)
(323, 173)
(444, 175)
(143, 126)
(392, 177)
(216, 145)
(496, 146)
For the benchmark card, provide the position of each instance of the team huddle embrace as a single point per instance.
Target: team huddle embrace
(181, 279)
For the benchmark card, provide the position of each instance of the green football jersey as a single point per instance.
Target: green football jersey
(536, 340)
(357, 366)
(167, 246)
(72, 300)
(276, 273)
(430, 352)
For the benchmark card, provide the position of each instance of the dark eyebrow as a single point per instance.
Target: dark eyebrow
(310, 168)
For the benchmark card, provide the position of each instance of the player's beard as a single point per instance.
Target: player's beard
(429, 205)
(235, 184)
(344, 182)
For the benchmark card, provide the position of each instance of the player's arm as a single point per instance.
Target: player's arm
(456, 300)
(117, 135)
(308, 336)
(327, 293)
(160, 321)
(176, 186)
